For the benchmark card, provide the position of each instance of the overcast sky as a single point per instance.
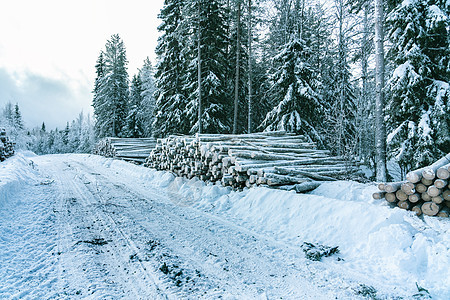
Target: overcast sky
(48, 50)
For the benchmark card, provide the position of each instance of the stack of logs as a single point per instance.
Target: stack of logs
(130, 149)
(271, 158)
(6, 146)
(425, 191)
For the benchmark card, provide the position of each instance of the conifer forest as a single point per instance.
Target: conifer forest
(364, 79)
(299, 66)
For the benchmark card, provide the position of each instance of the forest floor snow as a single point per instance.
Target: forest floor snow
(84, 226)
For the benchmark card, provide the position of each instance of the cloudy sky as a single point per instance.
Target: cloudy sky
(48, 50)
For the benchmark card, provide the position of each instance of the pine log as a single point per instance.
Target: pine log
(274, 157)
(417, 209)
(390, 197)
(305, 186)
(421, 188)
(437, 199)
(430, 208)
(414, 198)
(392, 187)
(416, 175)
(408, 188)
(293, 172)
(276, 179)
(446, 195)
(381, 186)
(378, 195)
(444, 212)
(401, 195)
(426, 182)
(433, 191)
(246, 167)
(440, 183)
(404, 204)
(443, 172)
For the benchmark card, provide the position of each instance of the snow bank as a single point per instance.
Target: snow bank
(388, 248)
(14, 173)
(392, 249)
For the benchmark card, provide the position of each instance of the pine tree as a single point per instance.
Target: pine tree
(111, 89)
(148, 99)
(171, 101)
(8, 114)
(418, 109)
(99, 100)
(207, 28)
(294, 89)
(134, 121)
(17, 118)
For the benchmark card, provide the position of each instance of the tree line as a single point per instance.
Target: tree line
(77, 137)
(237, 66)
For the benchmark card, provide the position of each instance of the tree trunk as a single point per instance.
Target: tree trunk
(365, 52)
(249, 8)
(199, 61)
(236, 81)
(380, 129)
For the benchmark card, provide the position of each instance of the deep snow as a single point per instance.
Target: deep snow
(90, 227)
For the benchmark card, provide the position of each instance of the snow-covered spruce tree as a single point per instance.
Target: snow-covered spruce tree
(134, 121)
(113, 90)
(99, 100)
(171, 101)
(12, 121)
(206, 25)
(293, 87)
(418, 110)
(148, 99)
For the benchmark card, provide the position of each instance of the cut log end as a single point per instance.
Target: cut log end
(430, 208)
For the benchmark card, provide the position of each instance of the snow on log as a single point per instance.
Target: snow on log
(378, 195)
(129, 149)
(443, 172)
(250, 159)
(393, 186)
(429, 185)
(428, 172)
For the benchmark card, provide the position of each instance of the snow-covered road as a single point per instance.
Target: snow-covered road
(89, 232)
(81, 226)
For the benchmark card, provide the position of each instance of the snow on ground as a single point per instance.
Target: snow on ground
(85, 226)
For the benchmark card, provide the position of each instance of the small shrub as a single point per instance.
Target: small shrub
(316, 252)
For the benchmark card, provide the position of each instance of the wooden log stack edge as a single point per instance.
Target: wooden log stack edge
(6, 145)
(135, 150)
(276, 159)
(425, 191)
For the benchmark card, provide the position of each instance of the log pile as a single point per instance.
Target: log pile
(276, 159)
(425, 191)
(129, 149)
(6, 146)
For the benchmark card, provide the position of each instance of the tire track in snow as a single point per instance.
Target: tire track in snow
(105, 266)
(235, 254)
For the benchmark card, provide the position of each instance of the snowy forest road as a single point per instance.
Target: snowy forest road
(87, 231)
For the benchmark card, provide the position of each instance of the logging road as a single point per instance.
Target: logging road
(84, 230)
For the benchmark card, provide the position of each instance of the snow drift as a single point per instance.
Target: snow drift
(387, 248)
